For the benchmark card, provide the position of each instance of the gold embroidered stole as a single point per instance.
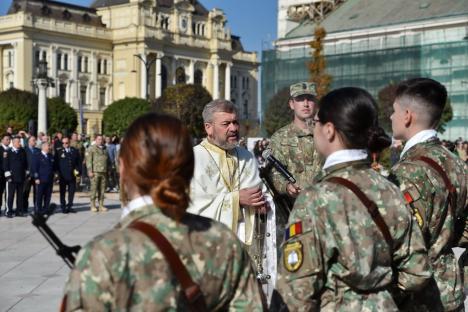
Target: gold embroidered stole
(229, 171)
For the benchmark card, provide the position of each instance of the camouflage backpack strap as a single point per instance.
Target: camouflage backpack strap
(192, 291)
(452, 199)
(370, 205)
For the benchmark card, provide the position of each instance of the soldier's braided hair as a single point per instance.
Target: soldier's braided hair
(158, 161)
(353, 112)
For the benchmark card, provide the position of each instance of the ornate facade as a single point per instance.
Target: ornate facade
(124, 48)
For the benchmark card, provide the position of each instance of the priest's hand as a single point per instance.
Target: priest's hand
(251, 197)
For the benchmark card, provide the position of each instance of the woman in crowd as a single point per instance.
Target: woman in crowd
(124, 269)
(351, 243)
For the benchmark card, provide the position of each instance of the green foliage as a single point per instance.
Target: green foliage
(120, 114)
(386, 97)
(278, 113)
(447, 115)
(186, 102)
(17, 108)
(318, 64)
(61, 116)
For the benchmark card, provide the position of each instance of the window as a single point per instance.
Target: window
(36, 58)
(83, 95)
(104, 70)
(163, 77)
(99, 66)
(63, 91)
(59, 61)
(180, 75)
(80, 58)
(198, 77)
(10, 59)
(246, 109)
(44, 55)
(65, 62)
(102, 96)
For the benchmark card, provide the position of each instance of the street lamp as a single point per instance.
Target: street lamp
(148, 65)
(42, 82)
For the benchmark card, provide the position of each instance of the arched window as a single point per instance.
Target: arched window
(180, 75)
(163, 77)
(198, 77)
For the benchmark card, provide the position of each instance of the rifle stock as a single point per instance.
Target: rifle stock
(67, 253)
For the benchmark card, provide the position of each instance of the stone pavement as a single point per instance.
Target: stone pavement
(32, 276)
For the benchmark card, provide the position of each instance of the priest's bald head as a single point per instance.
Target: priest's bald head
(221, 123)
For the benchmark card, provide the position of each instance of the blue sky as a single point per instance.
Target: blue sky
(253, 20)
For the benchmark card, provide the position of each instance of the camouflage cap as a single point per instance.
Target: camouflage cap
(301, 88)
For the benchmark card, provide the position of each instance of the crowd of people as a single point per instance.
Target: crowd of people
(33, 164)
(203, 230)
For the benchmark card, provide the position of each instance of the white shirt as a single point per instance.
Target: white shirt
(136, 204)
(419, 137)
(345, 155)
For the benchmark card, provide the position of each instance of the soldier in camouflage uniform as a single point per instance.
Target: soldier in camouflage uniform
(336, 257)
(97, 159)
(123, 270)
(417, 109)
(293, 145)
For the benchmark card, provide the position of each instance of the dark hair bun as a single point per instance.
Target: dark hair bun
(377, 139)
(170, 195)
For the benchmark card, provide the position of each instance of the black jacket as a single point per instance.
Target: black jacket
(67, 163)
(15, 165)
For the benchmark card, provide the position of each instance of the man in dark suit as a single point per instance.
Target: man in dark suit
(43, 173)
(68, 165)
(4, 147)
(16, 166)
(31, 152)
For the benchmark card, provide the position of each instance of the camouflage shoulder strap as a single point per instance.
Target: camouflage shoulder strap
(370, 205)
(192, 291)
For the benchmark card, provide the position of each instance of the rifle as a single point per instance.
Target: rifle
(67, 253)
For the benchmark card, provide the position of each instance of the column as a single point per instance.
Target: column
(227, 82)
(191, 72)
(94, 98)
(75, 90)
(53, 70)
(174, 67)
(158, 82)
(215, 80)
(239, 93)
(16, 65)
(2, 83)
(143, 78)
(42, 106)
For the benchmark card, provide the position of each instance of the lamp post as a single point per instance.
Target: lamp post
(147, 65)
(42, 82)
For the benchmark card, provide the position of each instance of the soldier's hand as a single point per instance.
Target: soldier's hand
(38, 181)
(251, 197)
(293, 190)
(90, 174)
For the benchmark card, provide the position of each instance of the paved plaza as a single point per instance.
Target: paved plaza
(32, 276)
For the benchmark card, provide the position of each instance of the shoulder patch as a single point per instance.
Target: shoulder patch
(293, 256)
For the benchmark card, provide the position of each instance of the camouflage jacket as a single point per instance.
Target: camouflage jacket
(425, 189)
(97, 159)
(123, 270)
(335, 258)
(295, 149)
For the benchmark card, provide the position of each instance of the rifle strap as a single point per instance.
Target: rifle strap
(192, 291)
(370, 205)
(452, 196)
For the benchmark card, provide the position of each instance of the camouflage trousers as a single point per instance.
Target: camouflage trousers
(98, 186)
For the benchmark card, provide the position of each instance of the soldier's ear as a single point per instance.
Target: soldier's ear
(408, 118)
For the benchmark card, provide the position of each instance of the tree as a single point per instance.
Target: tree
(386, 97)
(120, 114)
(318, 65)
(278, 113)
(60, 116)
(17, 107)
(186, 102)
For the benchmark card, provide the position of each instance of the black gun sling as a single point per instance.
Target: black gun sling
(192, 290)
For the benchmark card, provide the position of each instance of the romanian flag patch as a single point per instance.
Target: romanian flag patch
(409, 199)
(293, 230)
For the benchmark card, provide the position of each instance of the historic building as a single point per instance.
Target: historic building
(124, 48)
(372, 43)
